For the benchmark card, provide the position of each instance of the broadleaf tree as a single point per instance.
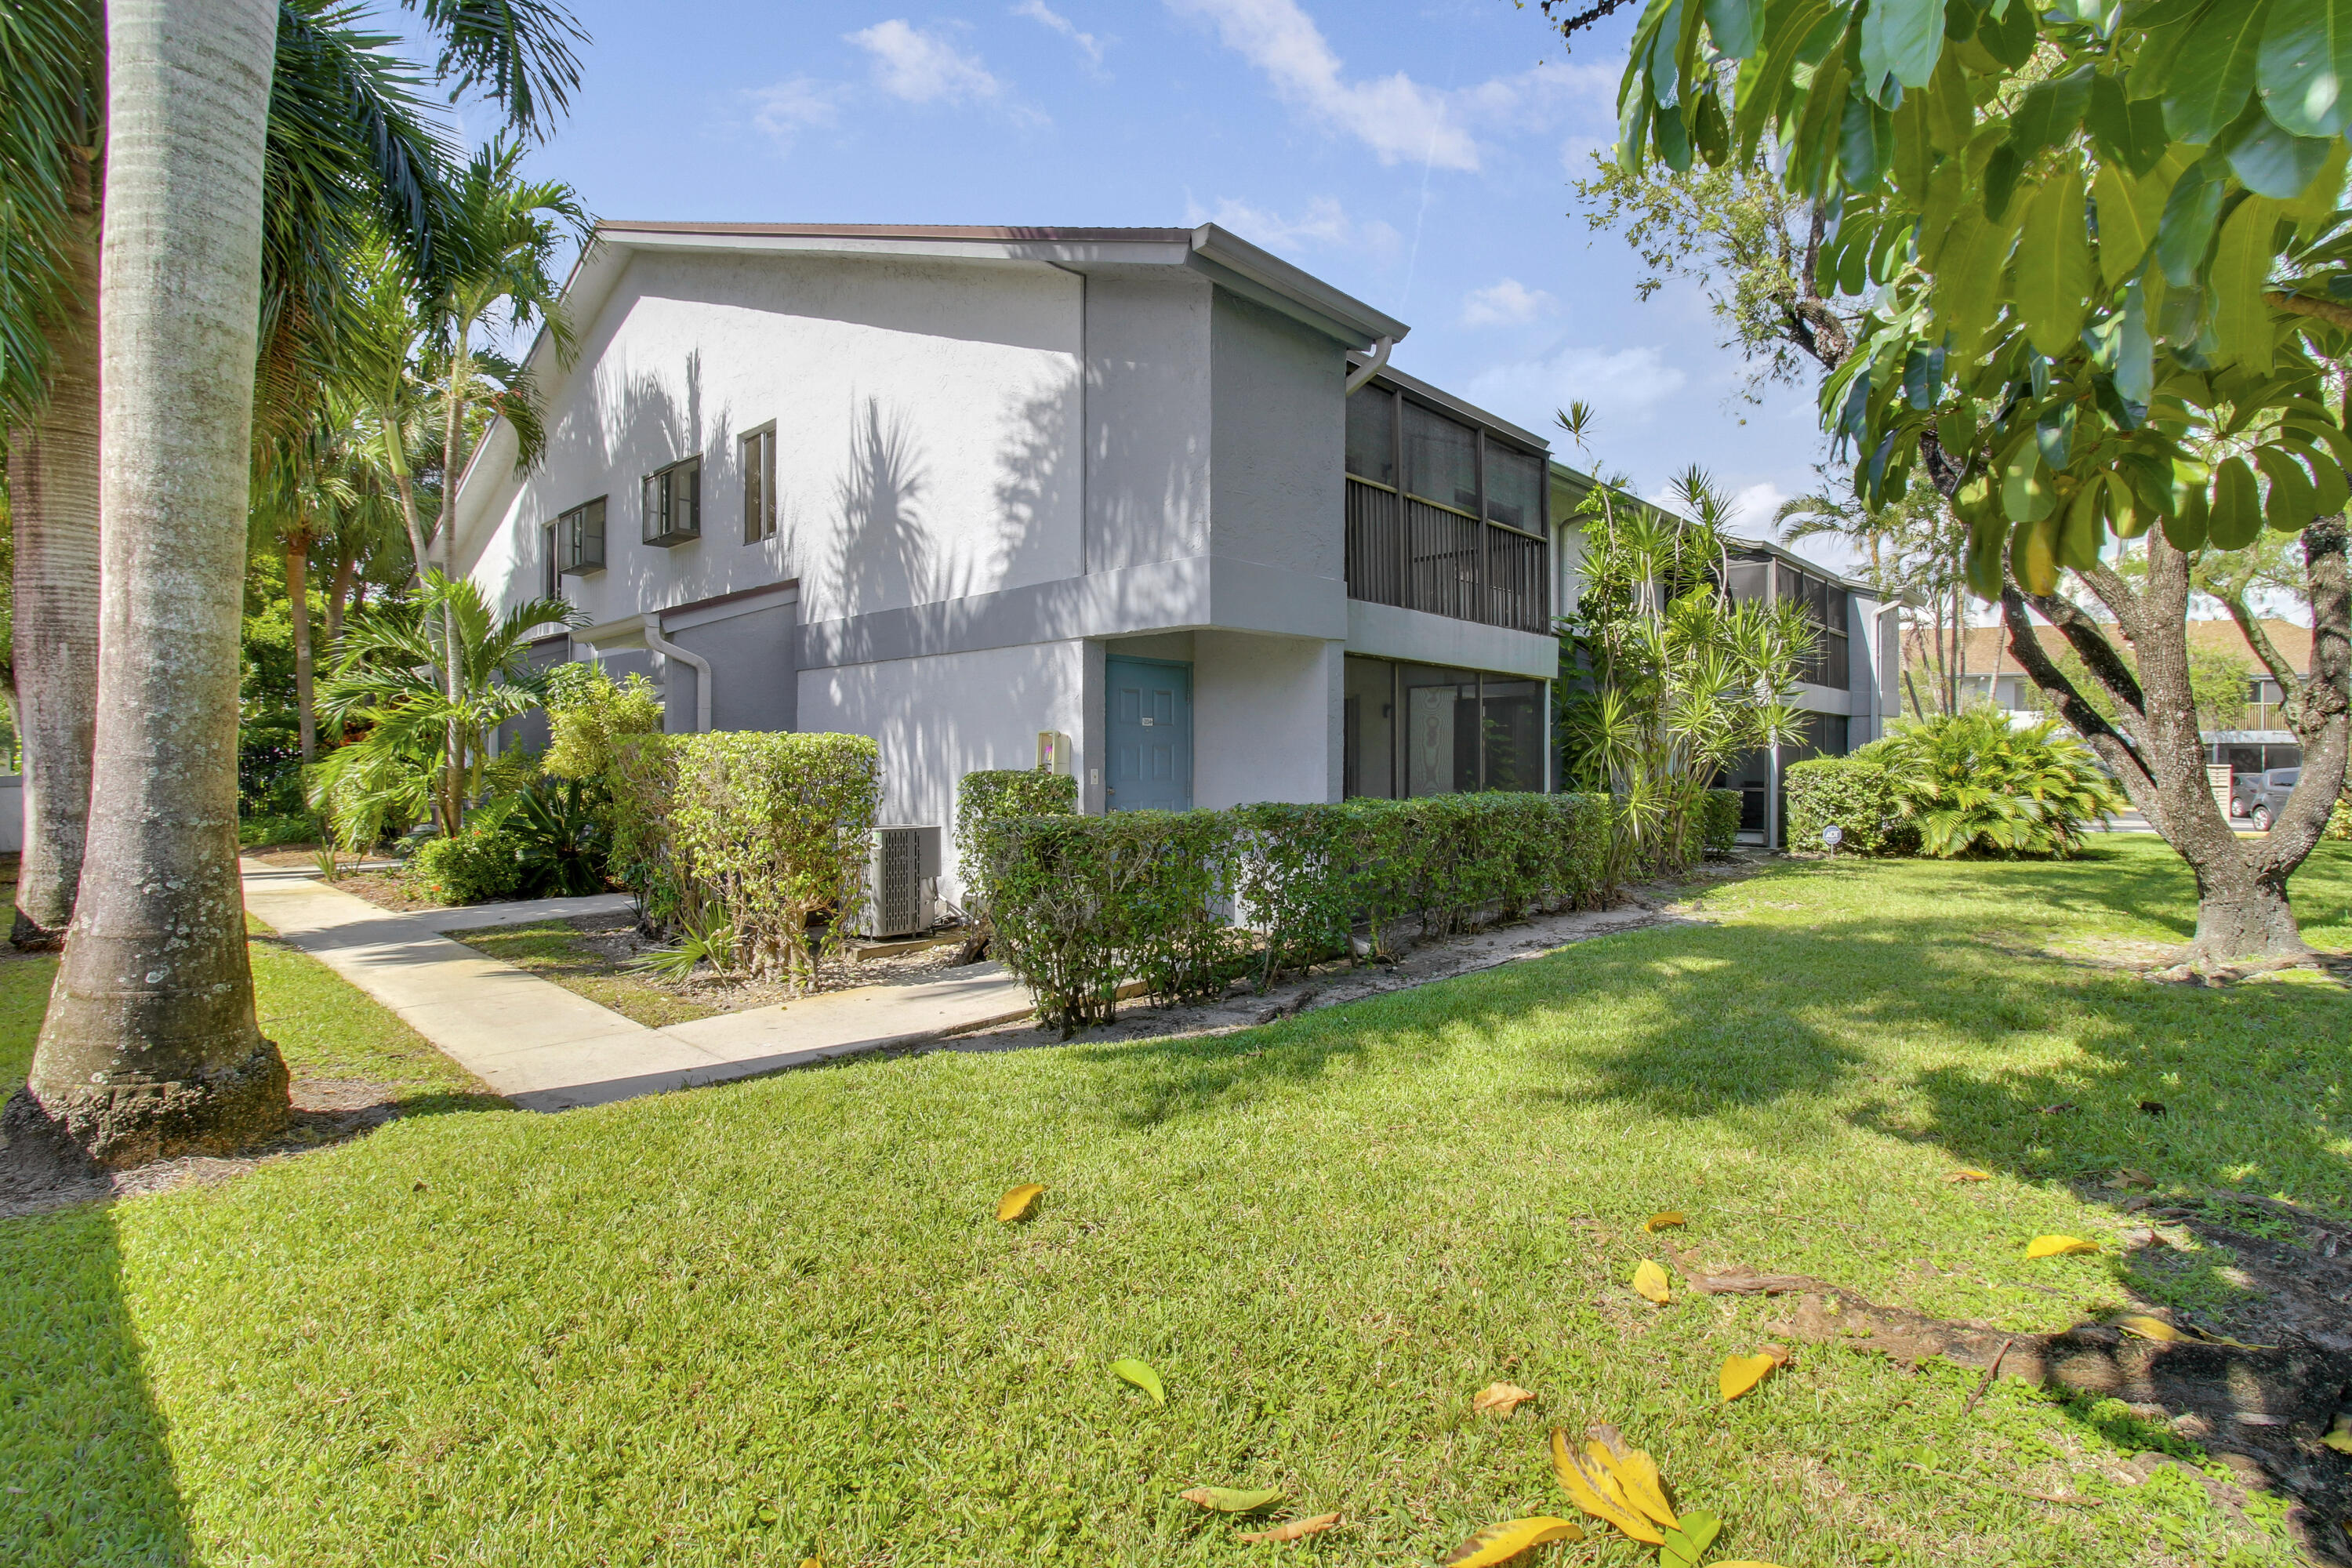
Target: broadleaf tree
(2099, 248)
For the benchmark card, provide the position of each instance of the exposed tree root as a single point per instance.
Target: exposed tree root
(2267, 1405)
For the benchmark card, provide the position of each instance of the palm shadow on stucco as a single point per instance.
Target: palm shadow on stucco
(881, 548)
(89, 1475)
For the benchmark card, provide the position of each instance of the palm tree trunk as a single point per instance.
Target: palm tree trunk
(452, 411)
(298, 590)
(53, 493)
(339, 592)
(150, 1047)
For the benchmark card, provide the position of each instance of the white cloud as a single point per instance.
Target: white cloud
(1628, 385)
(1088, 44)
(1751, 508)
(925, 68)
(1508, 303)
(1323, 225)
(1396, 117)
(1401, 120)
(790, 107)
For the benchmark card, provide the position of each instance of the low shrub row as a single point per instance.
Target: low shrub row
(1854, 793)
(1967, 784)
(760, 831)
(1184, 902)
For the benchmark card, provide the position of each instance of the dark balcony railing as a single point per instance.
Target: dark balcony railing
(1405, 551)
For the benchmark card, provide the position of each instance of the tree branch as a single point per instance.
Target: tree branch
(2327, 699)
(2290, 683)
(2097, 654)
(2114, 747)
(2327, 310)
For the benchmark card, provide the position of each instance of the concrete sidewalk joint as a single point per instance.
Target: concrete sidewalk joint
(547, 1049)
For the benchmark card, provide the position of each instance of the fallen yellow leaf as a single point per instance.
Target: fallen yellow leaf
(2056, 1245)
(1637, 1478)
(1503, 1396)
(2339, 1437)
(1019, 1202)
(2152, 1328)
(1597, 1492)
(1743, 1563)
(1501, 1542)
(1650, 1281)
(1742, 1372)
(1296, 1529)
(1658, 1222)
(1969, 1174)
(811, 1562)
(1126, 1369)
(1233, 1499)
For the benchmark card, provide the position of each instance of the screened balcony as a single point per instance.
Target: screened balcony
(1444, 517)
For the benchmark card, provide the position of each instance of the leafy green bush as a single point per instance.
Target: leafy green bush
(2340, 819)
(479, 864)
(261, 832)
(560, 833)
(1974, 784)
(589, 713)
(1719, 821)
(993, 793)
(1083, 904)
(771, 828)
(1857, 795)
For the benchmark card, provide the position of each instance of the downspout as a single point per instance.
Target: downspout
(699, 665)
(1370, 367)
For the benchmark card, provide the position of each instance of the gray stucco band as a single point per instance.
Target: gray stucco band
(1826, 700)
(1164, 595)
(1416, 637)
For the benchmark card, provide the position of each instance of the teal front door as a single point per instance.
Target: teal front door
(1150, 735)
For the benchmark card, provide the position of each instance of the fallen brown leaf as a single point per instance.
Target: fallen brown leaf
(1503, 1396)
(1296, 1529)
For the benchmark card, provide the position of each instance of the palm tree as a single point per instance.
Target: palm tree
(151, 1045)
(344, 141)
(386, 678)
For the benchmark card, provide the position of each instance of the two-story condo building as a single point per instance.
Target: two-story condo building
(1148, 502)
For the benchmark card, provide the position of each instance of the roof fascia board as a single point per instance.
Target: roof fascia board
(1269, 279)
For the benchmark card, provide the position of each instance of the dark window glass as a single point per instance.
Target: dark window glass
(1512, 732)
(551, 577)
(673, 503)
(578, 537)
(1750, 580)
(1372, 435)
(1835, 619)
(1440, 460)
(759, 485)
(1513, 488)
(1369, 762)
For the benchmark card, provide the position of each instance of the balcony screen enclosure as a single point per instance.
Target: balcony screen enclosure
(1456, 528)
(1415, 729)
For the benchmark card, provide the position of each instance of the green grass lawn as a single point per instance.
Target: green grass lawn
(754, 1322)
(552, 951)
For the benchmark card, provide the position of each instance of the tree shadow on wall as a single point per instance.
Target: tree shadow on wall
(882, 554)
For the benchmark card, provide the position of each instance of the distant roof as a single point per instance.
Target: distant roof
(1987, 647)
(1580, 484)
(1209, 248)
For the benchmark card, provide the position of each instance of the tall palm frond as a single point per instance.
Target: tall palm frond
(52, 114)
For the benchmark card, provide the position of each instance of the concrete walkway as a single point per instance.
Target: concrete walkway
(546, 1049)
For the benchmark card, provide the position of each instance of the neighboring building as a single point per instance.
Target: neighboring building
(1992, 673)
(974, 491)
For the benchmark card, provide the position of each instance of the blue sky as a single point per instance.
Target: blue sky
(1416, 155)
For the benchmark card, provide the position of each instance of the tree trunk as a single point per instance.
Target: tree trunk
(53, 494)
(339, 593)
(298, 591)
(2157, 755)
(151, 1048)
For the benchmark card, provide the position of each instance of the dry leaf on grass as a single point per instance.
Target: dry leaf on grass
(1658, 1222)
(1296, 1529)
(1129, 1370)
(2058, 1245)
(1020, 1203)
(1232, 1499)
(1969, 1174)
(1501, 1542)
(2152, 1329)
(1650, 1281)
(1503, 1396)
(1742, 1372)
(1635, 1473)
(1590, 1486)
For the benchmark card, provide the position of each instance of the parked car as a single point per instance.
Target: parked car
(2268, 795)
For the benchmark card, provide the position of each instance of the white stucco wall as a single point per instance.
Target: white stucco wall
(1279, 444)
(928, 418)
(939, 717)
(1267, 718)
(1147, 419)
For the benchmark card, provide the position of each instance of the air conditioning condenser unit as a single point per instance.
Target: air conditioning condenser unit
(902, 885)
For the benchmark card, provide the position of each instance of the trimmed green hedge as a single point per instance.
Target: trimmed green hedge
(773, 828)
(994, 792)
(478, 865)
(1719, 821)
(1185, 901)
(1857, 794)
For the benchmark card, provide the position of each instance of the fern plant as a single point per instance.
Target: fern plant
(1973, 784)
(707, 936)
